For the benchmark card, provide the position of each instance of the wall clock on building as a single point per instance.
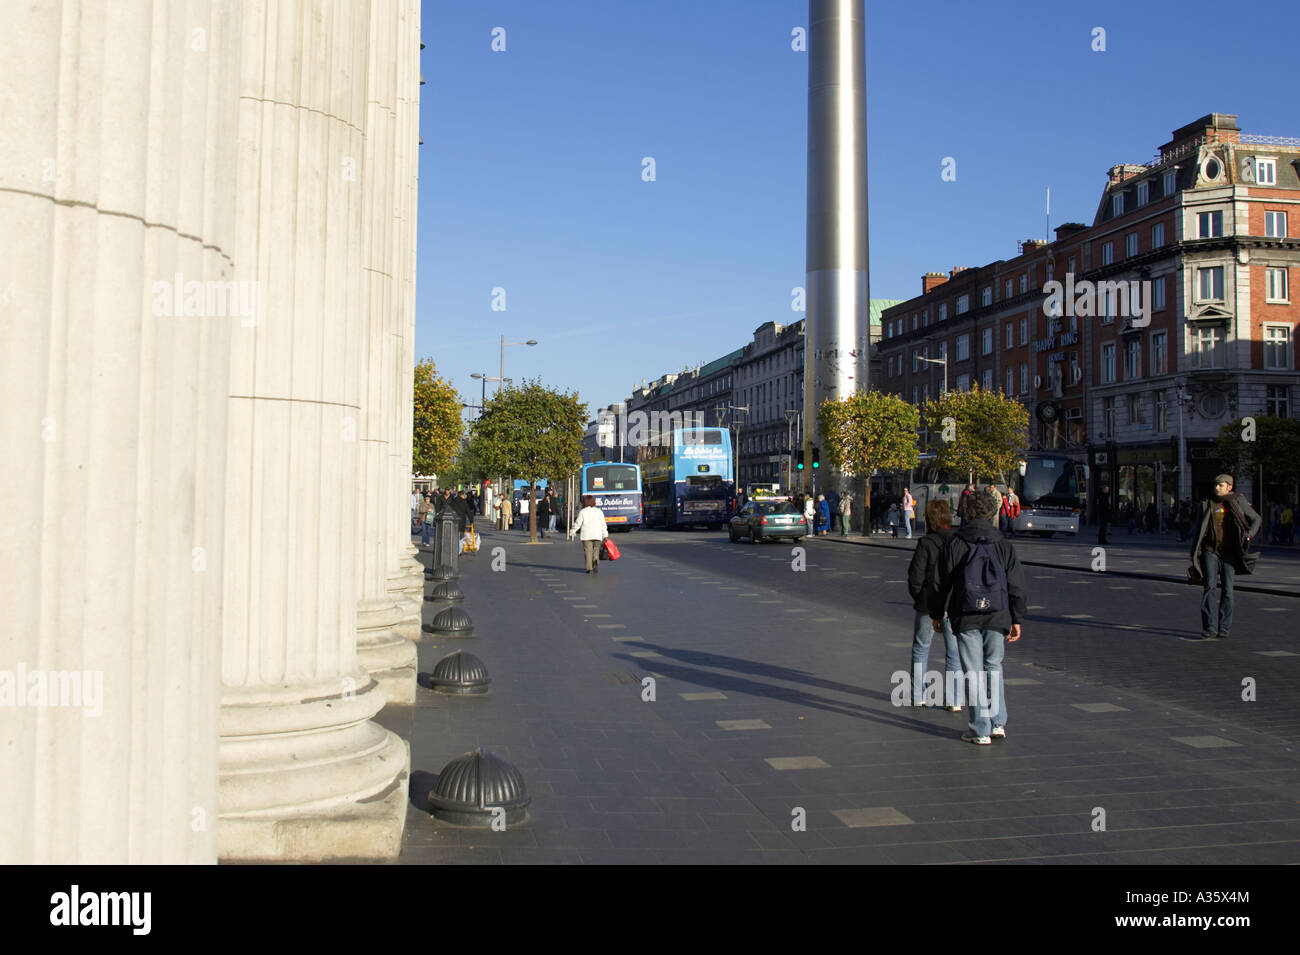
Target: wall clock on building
(1212, 405)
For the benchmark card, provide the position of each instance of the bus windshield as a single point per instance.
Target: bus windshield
(1050, 480)
(612, 477)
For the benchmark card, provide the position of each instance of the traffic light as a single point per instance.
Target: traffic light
(799, 465)
(816, 459)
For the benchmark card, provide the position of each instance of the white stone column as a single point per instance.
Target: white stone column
(116, 174)
(406, 573)
(388, 655)
(305, 774)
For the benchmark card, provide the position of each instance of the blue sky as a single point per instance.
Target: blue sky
(531, 169)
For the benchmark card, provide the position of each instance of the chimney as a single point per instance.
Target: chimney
(931, 281)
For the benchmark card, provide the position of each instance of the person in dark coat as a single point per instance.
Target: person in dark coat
(981, 634)
(461, 507)
(1220, 551)
(922, 581)
(543, 513)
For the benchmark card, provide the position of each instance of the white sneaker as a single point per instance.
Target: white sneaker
(977, 740)
(999, 732)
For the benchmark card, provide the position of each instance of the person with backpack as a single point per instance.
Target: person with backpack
(982, 589)
(922, 582)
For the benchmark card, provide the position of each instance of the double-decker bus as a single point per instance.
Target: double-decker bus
(617, 490)
(1048, 485)
(686, 478)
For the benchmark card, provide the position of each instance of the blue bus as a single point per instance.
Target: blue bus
(617, 490)
(687, 478)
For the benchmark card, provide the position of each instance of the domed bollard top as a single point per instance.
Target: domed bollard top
(452, 622)
(442, 572)
(461, 674)
(447, 591)
(471, 786)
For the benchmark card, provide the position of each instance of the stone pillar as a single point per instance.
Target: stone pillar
(305, 773)
(406, 573)
(116, 173)
(388, 655)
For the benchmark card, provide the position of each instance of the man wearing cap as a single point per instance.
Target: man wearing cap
(1220, 551)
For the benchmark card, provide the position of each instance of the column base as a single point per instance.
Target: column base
(384, 649)
(306, 776)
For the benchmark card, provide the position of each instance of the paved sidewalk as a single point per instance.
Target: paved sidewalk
(1150, 556)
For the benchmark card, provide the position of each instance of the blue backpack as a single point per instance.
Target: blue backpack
(984, 582)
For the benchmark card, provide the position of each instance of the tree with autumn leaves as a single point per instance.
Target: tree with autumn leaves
(531, 432)
(978, 432)
(436, 421)
(867, 431)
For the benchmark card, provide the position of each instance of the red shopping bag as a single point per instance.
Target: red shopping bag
(611, 551)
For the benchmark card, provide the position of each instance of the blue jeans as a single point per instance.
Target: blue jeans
(425, 528)
(907, 520)
(550, 523)
(922, 634)
(1216, 600)
(981, 659)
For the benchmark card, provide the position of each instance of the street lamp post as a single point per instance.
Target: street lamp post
(485, 378)
(502, 373)
(736, 450)
(791, 414)
(1182, 397)
(939, 361)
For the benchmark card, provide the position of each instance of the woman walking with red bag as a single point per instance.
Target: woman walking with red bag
(593, 532)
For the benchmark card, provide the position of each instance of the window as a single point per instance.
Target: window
(1266, 172)
(987, 382)
(1159, 353)
(1024, 283)
(963, 347)
(1107, 253)
(1161, 401)
(1209, 284)
(1131, 244)
(1207, 344)
(963, 382)
(1007, 292)
(1135, 408)
(916, 361)
(943, 350)
(1275, 285)
(1275, 225)
(1117, 204)
(1108, 416)
(1024, 331)
(1075, 374)
(1157, 235)
(916, 393)
(1134, 298)
(1106, 303)
(1024, 378)
(963, 304)
(1157, 294)
(1107, 363)
(943, 312)
(925, 392)
(1276, 401)
(1209, 225)
(1144, 193)
(1011, 381)
(1277, 347)
(1011, 338)
(1169, 183)
(986, 342)
(915, 323)
(986, 296)
(925, 318)
(1133, 360)
(1070, 269)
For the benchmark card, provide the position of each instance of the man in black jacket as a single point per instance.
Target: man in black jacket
(1220, 551)
(982, 586)
(543, 513)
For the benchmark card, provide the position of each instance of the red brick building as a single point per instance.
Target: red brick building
(1177, 295)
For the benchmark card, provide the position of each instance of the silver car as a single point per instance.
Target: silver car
(765, 519)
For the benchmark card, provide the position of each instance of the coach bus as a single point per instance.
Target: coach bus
(617, 490)
(686, 478)
(1048, 486)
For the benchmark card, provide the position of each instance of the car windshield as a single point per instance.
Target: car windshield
(776, 507)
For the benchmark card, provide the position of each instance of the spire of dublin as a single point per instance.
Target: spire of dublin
(835, 328)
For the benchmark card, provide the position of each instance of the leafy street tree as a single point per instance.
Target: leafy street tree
(531, 432)
(866, 431)
(980, 432)
(1245, 445)
(437, 424)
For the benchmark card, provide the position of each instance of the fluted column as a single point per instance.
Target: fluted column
(388, 655)
(305, 774)
(116, 174)
(406, 573)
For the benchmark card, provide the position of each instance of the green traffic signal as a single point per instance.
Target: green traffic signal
(816, 458)
(799, 466)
